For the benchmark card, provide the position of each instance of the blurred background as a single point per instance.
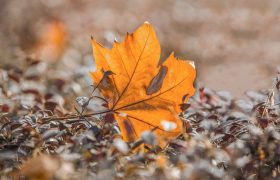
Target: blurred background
(235, 44)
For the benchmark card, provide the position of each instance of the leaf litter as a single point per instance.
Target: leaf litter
(40, 138)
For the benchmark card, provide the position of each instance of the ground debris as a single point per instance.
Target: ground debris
(44, 135)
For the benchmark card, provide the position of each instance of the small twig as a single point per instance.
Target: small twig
(92, 96)
(74, 116)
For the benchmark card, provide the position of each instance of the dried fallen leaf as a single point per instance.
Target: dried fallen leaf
(52, 41)
(41, 167)
(141, 92)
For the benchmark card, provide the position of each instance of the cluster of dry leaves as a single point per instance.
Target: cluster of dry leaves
(44, 134)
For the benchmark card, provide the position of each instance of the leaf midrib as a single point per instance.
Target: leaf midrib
(134, 70)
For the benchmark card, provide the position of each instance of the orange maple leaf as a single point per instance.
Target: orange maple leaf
(142, 94)
(52, 42)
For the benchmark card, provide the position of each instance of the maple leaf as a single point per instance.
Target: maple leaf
(143, 94)
(52, 41)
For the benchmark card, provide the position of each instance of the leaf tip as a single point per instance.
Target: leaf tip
(192, 64)
(93, 40)
(115, 40)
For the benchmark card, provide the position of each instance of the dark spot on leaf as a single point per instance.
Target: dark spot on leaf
(108, 73)
(184, 97)
(184, 106)
(129, 130)
(106, 82)
(157, 81)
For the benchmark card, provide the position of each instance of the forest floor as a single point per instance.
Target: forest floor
(233, 127)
